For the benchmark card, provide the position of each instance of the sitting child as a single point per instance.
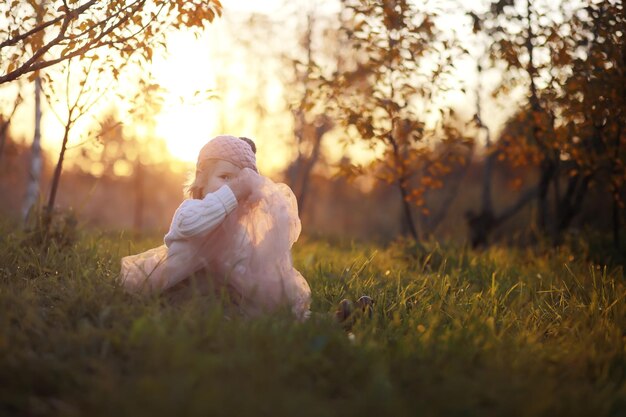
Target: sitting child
(238, 226)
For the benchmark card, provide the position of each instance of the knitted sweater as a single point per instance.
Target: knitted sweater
(245, 248)
(198, 217)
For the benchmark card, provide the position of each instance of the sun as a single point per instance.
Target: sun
(188, 117)
(186, 129)
(196, 107)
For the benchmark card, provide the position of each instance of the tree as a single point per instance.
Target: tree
(522, 32)
(292, 62)
(37, 35)
(386, 98)
(570, 59)
(454, 156)
(128, 147)
(592, 110)
(5, 122)
(77, 104)
(311, 124)
(34, 172)
(482, 222)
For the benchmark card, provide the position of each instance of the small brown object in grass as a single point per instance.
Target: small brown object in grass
(344, 311)
(366, 303)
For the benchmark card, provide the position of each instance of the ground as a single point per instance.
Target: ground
(454, 332)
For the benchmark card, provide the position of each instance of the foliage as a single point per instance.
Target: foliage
(570, 58)
(387, 96)
(594, 103)
(453, 332)
(39, 34)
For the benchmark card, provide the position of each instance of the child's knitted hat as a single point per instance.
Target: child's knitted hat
(238, 151)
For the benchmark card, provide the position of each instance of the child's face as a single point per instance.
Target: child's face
(222, 172)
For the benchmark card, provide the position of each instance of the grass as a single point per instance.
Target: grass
(454, 332)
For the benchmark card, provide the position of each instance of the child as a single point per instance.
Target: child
(238, 226)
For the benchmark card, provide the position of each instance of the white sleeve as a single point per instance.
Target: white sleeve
(196, 217)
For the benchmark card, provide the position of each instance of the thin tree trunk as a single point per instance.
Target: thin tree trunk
(491, 154)
(57, 174)
(481, 225)
(406, 207)
(139, 200)
(402, 185)
(617, 197)
(556, 182)
(572, 203)
(547, 165)
(436, 219)
(4, 129)
(3, 136)
(34, 174)
(616, 223)
(487, 180)
(323, 125)
(547, 173)
(306, 174)
(304, 167)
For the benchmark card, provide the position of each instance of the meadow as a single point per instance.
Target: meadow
(453, 332)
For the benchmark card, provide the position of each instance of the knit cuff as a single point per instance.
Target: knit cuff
(226, 196)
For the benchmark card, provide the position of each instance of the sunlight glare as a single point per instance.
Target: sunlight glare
(186, 130)
(187, 119)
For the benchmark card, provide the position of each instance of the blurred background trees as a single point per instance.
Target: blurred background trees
(489, 122)
(387, 96)
(569, 57)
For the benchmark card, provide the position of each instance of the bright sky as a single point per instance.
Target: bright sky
(217, 62)
(187, 124)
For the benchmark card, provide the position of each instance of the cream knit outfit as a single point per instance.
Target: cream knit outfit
(246, 248)
(195, 217)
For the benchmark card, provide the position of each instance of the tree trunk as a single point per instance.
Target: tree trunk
(487, 180)
(616, 223)
(3, 136)
(435, 220)
(139, 200)
(323, 125)
(34, 174)
(547, 172)
(571, 203)
(406, 206)
(482, 224)
(4, 129)
(306, 174)
(57, 176)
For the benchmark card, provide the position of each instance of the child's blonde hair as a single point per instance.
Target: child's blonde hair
(194, 187)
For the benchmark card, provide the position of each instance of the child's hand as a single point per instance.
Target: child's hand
(243, 184)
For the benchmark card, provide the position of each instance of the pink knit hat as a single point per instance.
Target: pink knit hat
(238, 151)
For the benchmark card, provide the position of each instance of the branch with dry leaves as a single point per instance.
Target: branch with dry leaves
(38, 35)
